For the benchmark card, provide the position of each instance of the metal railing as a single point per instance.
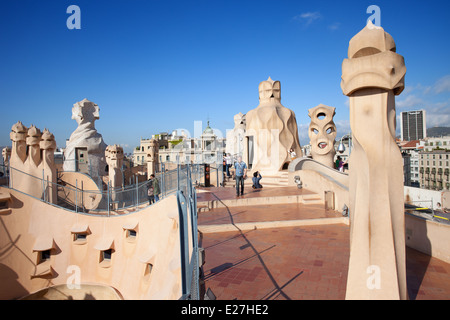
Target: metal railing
(180, 182)
(106, 200)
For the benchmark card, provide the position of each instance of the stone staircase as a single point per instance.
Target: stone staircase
(272, 207)
(281, 180)
(272, 196)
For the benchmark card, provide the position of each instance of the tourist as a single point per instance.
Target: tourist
(292, 154)
(337, 163)
(256, 178)
(150, 192)
(156, 189)
(228, 160)
(241, 174)
(341, 165)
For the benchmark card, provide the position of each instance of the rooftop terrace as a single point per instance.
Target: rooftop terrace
(292, 249)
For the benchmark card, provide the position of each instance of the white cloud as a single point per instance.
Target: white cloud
(442, 85)
(334, 26)
(308, 17)
(410, 101)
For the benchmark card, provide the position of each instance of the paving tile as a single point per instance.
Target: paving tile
(298, 263)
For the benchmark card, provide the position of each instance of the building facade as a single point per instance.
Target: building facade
(412, 148)
(177, 147)
(413, 125)
(434, 169)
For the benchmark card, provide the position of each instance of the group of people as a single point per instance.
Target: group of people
(153, 189)
(241, 174)
(339, 164)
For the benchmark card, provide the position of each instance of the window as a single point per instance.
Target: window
(131, 234)
(80, 237)
(148, 271)
(106, 255)
(44, 256)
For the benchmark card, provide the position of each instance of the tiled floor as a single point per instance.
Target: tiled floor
(293, 211)
(297, 263)
(289, 263)
(230, 193)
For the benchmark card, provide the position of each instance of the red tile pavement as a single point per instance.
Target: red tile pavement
(301, 263)
(288, 263)
(230, 193)
(279, 212)
(297, 263)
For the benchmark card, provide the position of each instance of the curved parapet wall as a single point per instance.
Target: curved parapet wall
(340, 178)
(88, 193)
(137, 254)
(319, 178)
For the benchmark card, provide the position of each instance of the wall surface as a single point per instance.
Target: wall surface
(429, 237)
(423, 197)
(32, 225)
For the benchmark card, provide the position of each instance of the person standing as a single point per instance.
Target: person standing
(150, 194)
(337, 163)
(241, 173)
(228, 164)
(156, 189)
(292, 154)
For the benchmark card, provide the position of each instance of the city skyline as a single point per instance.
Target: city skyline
(159, 66)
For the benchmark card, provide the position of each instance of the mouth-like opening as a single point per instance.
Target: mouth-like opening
(322, 145)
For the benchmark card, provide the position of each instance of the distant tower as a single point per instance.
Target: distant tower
(153, 158)
(413, 125)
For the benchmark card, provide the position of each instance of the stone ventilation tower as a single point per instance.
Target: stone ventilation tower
(372, 76)
(153, 158)
(322, 134)
(6, 154)
(114, 159)
(32, 163)
(85, 150)
(273, 128)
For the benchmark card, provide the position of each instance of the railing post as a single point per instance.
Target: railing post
(178, 176)
(43, 185)
(108, 203)
(217, 177)
(137, 193)
(76, 195)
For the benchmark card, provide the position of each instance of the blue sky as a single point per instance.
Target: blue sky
(155, 66)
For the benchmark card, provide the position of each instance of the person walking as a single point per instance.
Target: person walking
(241, 173)
(156, 189)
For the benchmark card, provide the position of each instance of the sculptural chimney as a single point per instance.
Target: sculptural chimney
(372, 76)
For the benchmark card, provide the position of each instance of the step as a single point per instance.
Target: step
(246, 226)
(266, 200)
